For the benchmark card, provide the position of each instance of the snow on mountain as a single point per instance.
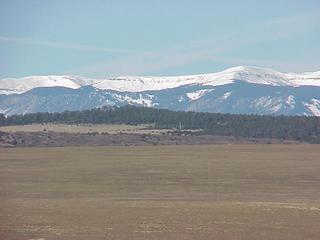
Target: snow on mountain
(254, 75)
(306, 79)
(21, 85)
(266, 76)
(226, 95)
(248, 74)
(145, 101)
(291, 101)
(139, 84)
(198, 94)
(314, 107)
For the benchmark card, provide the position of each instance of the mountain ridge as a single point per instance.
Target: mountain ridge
(256, 75)
(244, 90)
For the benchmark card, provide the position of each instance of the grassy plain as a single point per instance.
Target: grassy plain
(161, 192)
(84, 128)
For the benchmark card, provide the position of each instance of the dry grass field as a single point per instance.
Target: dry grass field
(84, 128)
(161, 192)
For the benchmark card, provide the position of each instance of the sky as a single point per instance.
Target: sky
(156, 37)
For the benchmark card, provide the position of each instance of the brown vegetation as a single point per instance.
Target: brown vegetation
(161, 192)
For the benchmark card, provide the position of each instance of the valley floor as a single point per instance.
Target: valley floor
(161, 192)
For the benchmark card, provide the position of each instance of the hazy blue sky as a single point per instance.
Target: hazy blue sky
(156, 37)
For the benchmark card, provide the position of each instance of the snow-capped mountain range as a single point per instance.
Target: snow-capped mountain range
(247, 90)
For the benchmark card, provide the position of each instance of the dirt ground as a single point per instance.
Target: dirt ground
(161, 192)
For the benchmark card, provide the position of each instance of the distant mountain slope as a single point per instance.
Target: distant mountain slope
(247, 90)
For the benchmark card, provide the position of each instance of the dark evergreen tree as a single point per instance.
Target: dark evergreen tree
(300, 128)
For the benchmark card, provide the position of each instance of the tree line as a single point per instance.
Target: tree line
(301, 128)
